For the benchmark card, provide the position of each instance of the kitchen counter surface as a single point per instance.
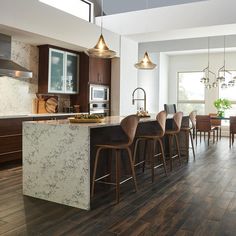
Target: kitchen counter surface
(109, 121)
(14, 116)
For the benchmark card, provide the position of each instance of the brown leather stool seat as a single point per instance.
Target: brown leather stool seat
(129, 125)
(156, 139)
(172, 134)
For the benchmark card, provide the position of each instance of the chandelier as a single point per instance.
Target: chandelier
(219, 80)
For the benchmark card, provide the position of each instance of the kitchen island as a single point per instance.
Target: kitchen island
(58, 157)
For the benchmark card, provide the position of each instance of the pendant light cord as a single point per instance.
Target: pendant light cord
(208, 56)
(101, 15)
(224, 55)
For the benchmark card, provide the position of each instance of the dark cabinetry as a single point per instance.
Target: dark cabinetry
(11, 136)
(58, 70)
(92, 71)
(11, 139)
(99, 71)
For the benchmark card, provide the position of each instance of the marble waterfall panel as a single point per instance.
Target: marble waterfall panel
(56, 163)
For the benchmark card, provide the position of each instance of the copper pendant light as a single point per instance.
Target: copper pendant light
(101, 49)
(145, 63)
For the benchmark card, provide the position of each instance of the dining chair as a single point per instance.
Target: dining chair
(170, 108)
(216, 123)
(232, 129)
(203, 125)
(155, 139)
(129, 125)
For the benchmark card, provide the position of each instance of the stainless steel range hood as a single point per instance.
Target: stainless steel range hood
(7, 66)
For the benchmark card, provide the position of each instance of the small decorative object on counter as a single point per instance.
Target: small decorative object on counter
(142, 113)
(86, 118)
(221, 105)
(77, 108)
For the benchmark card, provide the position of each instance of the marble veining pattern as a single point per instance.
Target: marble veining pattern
(56, 163)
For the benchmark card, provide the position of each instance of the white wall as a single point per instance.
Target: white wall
(128, 75)
(197, 62)
(163, 80)
(34, 17)
(115, 87)
(149, 81)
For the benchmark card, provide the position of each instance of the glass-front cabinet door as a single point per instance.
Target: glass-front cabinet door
(71, 81)
(56, 71)
(63, 76)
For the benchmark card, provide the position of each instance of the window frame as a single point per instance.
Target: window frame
(189, 101)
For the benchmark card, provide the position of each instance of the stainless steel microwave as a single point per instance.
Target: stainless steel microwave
(99, 93)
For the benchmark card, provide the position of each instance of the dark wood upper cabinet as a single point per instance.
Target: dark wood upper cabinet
(99, 71)
(58, 70)
(92, 71)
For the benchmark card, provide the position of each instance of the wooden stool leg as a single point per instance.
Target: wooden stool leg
(191, 138)
(135, 150)
(163, 156)
(95, 170)
(196, 138)
(152, 158)
(132, 169)
(201, 136)
(230, 139)
(187, 146)
(145, 154)
(213, 136)
(208, 138)
(170, 152)
(117, 176)
(177, 145)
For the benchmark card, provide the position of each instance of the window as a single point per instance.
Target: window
(191, 93)
(80, 8)
(229, 93)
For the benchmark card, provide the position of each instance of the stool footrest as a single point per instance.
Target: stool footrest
(110, 183)
(102, 177)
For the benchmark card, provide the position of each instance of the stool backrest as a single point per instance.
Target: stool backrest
(232, 124)
(203, 123)
(177, 118)
(129, 125)
(161, 119)
(192, 117)
(170, 108)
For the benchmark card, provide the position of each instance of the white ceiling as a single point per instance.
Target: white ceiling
(111, 7)
(192, 20)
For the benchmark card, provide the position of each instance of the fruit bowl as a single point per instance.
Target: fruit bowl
(85, 118)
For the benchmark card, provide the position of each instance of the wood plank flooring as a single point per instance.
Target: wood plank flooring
(198, 198)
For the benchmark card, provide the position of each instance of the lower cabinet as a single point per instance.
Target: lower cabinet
(11, 139)
(11, 136)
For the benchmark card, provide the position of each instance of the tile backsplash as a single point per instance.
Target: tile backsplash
(16, 95)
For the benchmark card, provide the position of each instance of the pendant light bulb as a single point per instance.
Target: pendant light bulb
(145, 63)
(101, 49)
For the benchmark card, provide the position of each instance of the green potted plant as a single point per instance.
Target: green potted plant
(221, 105)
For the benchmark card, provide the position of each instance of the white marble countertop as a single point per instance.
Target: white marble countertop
(12, 116)
(109, 121)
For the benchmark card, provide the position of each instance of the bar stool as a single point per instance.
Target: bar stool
(156, 138)
(172, 134)
(129, 126)
(188, 132)
(232, 130)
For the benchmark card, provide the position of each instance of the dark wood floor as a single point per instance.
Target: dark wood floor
(197, 199)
